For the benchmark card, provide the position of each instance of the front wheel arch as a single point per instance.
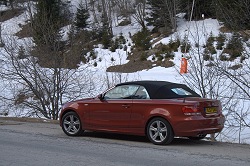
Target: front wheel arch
(71, 124)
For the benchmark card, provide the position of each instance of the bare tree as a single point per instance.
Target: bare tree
(163, 14)
(172, 6)
(238, 75)
(234, 13)
(93, 9)
(221, 79)
(42, 77)
(140, 15)
(125, 7)
(43, 90)
(107, 16)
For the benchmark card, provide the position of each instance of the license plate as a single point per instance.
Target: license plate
(211, 110)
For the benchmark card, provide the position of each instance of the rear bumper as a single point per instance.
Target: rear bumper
(196, 125)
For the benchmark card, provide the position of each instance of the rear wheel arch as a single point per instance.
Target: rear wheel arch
(145, 130)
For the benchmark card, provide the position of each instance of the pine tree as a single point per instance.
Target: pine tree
(82, 16)
(21, 52)
(234, 13)
(4, 2)
(157, 15)
(162, 14)
(207, 8)
(47, 22)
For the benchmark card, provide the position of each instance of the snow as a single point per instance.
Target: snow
(205, 27)
(194, 30)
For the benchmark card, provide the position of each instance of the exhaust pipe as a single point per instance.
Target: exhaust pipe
(201, 135)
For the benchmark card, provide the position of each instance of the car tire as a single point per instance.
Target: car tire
(198, 138)
(159, 131)
(71, 124)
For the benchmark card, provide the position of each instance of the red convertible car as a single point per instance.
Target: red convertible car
(159, 110)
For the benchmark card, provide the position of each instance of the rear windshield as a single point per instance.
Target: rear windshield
(172, 91)
(181, 92)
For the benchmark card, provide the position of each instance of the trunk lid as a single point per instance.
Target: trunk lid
(207, 107)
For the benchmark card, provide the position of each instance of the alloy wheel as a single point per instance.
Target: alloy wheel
(71, 124)
(159, 131)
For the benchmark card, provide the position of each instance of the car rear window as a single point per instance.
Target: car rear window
(181, 92)
(172, 91)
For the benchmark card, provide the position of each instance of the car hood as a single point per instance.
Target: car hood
(84, 100)
(68, 104)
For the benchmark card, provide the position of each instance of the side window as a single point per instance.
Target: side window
(141, 93)
(121, 92)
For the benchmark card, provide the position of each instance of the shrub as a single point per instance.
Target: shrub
(210, 40)
(153, 58)
(223, 57)
(206, 55)
(183, 47)
(92, 55)
(220, 41)
(124, 23)
(106, 40)
(169, 55)
(118, 43)
(159, 56)
(212, 50)
(219, 46)
(114, 45)
(174, 45)
(121, 39)
(125, 48)
(142, 40)
(234, 47)
(21, 53)
(235, 67)
(112, 59)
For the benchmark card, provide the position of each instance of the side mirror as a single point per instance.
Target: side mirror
(100, 96)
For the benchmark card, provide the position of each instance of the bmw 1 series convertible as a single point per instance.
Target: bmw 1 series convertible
(159, 110)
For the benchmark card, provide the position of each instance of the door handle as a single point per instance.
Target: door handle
(125, 105)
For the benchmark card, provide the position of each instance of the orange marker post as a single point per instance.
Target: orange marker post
(184, 64)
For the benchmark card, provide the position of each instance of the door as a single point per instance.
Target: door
(113, 111)
(141, 106)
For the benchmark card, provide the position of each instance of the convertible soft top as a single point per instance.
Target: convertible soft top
(162, 89)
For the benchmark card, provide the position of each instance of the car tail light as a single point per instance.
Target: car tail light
(190, 110)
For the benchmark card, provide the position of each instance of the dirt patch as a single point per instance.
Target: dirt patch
(225, 29)
(8, 14)
(26, 31)
(138, 61)
(130, 67)
(134, 66)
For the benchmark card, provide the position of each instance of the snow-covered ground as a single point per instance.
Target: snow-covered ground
(204, 27)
